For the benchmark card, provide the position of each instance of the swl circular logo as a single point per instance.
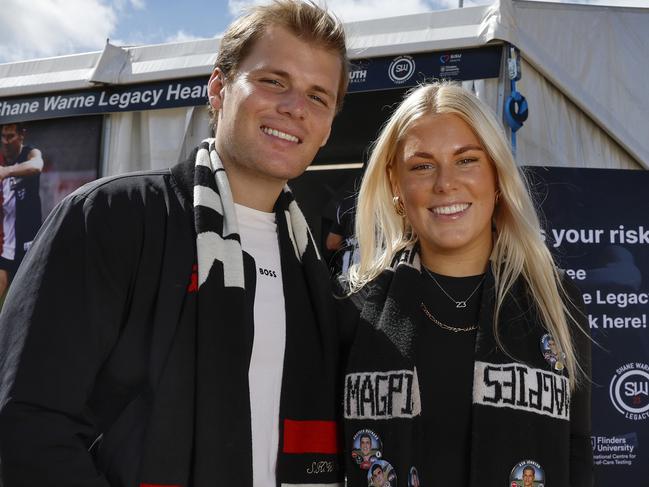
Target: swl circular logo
(401, 69)
(629, 390)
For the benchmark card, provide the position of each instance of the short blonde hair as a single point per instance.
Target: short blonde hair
(304, 18)
(518, 249)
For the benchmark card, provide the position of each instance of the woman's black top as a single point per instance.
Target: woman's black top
(445, 368)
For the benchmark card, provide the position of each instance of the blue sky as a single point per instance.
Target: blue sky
(31, 29)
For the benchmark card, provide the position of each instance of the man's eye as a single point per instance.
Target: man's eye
(319, 100)
(271, 81)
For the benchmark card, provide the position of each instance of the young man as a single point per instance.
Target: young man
(191, 342)
(20, 170)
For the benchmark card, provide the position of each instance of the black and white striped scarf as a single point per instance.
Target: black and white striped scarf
(200, 433)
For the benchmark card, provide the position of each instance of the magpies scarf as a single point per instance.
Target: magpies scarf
(199, 432)
(523, 413)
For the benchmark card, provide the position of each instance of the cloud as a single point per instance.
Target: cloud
(367, 9)
(235, 7)
(44, 28)
(182, 36)
(614, 3)
(120, 5)
(351, 10)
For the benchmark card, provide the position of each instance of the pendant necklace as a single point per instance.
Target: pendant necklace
(458, 303)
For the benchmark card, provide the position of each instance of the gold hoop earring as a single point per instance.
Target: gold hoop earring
(398, 206)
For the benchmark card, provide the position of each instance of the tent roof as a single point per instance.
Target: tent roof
(128, 65)
(596, 56)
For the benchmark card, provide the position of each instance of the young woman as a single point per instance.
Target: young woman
(468, 359)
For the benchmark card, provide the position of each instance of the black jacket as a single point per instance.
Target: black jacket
(82, 334)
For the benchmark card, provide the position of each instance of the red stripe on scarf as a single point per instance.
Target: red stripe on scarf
(310, 437)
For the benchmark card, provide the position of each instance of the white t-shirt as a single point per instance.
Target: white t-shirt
(258, 232)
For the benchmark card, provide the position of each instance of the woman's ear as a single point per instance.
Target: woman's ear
(392, 177)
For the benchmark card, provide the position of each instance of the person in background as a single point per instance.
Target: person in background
(340, 239)
(20, 170)
(176, 327)
(445, 313)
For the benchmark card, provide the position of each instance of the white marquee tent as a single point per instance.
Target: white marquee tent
(584, 73)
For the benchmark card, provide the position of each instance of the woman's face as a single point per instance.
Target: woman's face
(448, 186)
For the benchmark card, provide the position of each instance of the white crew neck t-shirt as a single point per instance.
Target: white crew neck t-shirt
(258, 232)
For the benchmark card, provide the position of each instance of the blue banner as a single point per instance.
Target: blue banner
(597, 227)
(150, 96)
(401, 71)
(366, 75)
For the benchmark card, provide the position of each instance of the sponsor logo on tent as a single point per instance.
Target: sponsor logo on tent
(401, 69)
(629, 391)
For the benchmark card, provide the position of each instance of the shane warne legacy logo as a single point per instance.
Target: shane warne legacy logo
(629, 390)
(401, 69)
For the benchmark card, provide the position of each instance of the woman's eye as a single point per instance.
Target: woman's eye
(423, 165)
(468, 160)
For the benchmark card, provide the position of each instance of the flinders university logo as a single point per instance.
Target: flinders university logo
(629, 390)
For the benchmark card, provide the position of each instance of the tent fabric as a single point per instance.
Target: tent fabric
(558, 133)
(595, 56)
(142, 64)
(583, 69)
(153, 139)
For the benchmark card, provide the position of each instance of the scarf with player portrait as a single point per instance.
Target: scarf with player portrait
(523, 414)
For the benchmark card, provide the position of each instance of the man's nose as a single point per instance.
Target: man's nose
(293, 103)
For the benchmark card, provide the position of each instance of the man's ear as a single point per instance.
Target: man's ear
(326, 138)
(215, 87)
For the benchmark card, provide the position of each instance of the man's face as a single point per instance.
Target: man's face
(528, 477)
(276, 111)
(12, 140)
(366, 445)
(377, 477)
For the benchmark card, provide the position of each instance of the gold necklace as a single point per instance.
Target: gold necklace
(454, 329)
(458, 303)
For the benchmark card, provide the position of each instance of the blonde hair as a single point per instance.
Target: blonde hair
(518, 249)
(303, 18)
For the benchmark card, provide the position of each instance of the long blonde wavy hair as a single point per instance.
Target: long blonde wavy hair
(518, 248)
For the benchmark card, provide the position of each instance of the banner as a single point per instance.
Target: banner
(598, 228)
(149, 96)
(366, 75)
(401, 71)
(64, 154)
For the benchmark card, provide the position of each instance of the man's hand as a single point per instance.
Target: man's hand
(4, 172)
